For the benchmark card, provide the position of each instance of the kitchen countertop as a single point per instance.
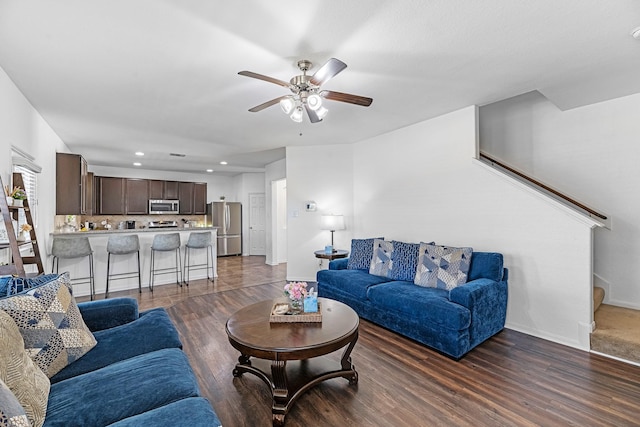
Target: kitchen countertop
(131, 230)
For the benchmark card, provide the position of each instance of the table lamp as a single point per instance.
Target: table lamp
(332, 223)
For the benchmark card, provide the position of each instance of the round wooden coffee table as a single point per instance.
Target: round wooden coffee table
(274, 344)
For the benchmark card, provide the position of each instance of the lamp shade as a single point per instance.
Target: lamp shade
(333, 222)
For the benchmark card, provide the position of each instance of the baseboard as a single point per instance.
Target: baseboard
(548, 337)
(614, 358)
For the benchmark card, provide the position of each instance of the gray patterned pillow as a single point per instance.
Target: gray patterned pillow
(51, 325)
(381, 259)
(11, 412)
(442, 267)
(361, 253)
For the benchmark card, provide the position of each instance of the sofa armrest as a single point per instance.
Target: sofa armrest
(486, 299)
(339, 264)
(108, 313)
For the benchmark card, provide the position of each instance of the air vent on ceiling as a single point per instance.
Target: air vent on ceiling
(177, 155)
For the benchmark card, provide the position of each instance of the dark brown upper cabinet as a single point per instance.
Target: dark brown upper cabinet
(111, 193)
(137, 196)
(71, 185)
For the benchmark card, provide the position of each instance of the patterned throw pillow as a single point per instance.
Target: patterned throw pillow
(14, 285)
(442, 267)
(381, 259)
(26, 382)
(50, 323)
(11, 412)
(361, 253)
(404, 261)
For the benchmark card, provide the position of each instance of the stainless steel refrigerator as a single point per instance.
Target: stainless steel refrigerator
(227, 216)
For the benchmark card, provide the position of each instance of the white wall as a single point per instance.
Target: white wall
(591, 153)
(280, 228)
(323, 174)
(275, 171)
(421, 183)
(23, 127)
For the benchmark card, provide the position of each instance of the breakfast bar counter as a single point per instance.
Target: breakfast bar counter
(123, 264)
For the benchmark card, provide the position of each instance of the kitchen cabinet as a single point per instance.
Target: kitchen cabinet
(185, 195)
(71, 185)
(90, 194)
(171, 190)
(111, 193)
(193, 198)
(137, 196)
(156, 189)
(199, 198)
(163, 190)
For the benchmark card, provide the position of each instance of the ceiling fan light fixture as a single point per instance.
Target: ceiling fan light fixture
(296, 115)
(288, 104)
(322, 112)
(314, 102)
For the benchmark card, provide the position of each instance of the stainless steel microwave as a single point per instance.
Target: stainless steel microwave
(164, 207)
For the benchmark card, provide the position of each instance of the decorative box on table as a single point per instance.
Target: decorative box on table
(280, 315)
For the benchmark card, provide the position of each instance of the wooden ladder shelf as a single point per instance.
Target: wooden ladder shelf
(9, 214)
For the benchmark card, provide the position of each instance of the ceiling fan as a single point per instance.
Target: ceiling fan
(306, 91)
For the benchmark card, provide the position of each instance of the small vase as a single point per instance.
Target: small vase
(18, 202)
(22, 237)
(9, 201)
(296, 306)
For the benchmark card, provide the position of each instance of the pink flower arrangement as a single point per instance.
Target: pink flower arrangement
(295, 290)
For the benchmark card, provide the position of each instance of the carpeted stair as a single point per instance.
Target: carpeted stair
(617, 332)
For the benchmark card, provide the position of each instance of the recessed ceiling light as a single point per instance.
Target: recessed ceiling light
(137, 164)
(209, 170)
(223, 162)
(636, 33)
(139, 153)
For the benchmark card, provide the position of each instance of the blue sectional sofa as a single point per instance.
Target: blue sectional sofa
(451, 321)
(135, 375)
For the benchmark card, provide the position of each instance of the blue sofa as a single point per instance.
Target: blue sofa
(136, 374)
(452, 322)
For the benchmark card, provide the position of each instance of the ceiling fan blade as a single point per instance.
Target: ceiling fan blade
(346, 97)
(313, 116)
(266, 104)
(265, 78)
(330, 68)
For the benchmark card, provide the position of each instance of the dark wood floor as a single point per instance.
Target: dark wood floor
(511, 380)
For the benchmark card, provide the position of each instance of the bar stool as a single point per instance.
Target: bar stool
(73, 247)
(119, 244)
(165, 243)
(198, 241)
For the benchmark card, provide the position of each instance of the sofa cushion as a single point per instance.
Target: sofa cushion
(152, 331)
(51, 325)
(352, 282)
(442, 267)
(11, 412)
(404, 260)
(381, 259)
(108, 313)
(20, 374)
(422, 305)
(122, 390)
(193, 411)
(361, 253)
(488, 265)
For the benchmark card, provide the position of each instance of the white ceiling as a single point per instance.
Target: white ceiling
(160, 76)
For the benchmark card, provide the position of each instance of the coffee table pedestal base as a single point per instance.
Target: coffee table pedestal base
(288, 381)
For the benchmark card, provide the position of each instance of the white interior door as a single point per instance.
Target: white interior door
(257, 229)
